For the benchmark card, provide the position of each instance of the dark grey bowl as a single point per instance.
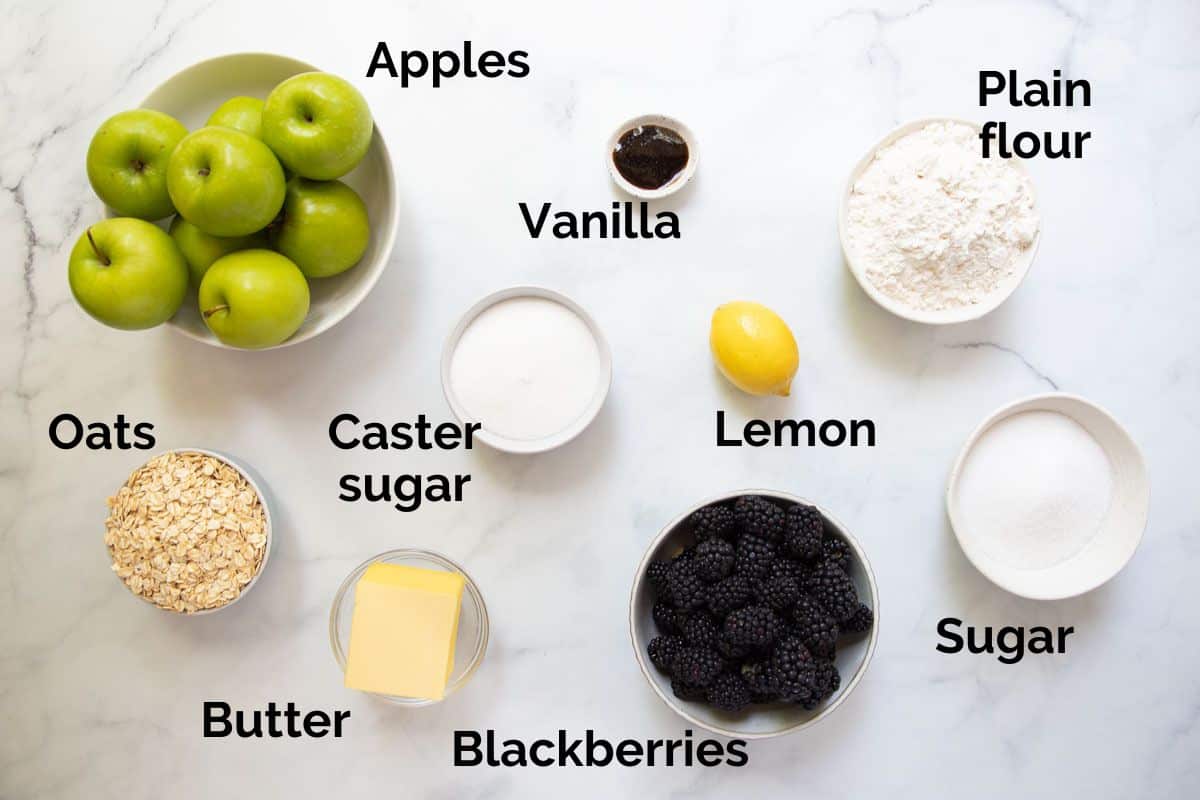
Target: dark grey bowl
(764, 721)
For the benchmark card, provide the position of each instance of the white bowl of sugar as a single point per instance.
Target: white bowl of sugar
(528, 365)
(1049, 497)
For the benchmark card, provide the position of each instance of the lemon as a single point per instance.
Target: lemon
(754, 348)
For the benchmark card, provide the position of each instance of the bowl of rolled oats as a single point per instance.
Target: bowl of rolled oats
(189, 531)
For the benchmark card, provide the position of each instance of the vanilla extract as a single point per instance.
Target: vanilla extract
(650, 156)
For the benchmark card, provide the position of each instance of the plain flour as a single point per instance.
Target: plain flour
(936, 225)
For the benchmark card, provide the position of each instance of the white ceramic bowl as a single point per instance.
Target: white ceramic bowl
(504, 443)
(193, 94)
(859, 269)
(671, 186)
(1121, 531)
(759, 721)
(259, 486)
(473, 626)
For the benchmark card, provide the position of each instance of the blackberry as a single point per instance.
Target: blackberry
(684, 555)
(816, 629)
(828, 678)
(657, 574)
(685, 691)
(835, 551)
(860, 621)
(732, 652)
(793, 671)
(754, 556)
(729, 693)
(697, 666)
(734, 592)
(759, 516)
(833, 590)
(806, 608)
(752, 626)
(759, 681)
(684, 588)
(667, 618)
(663, 650)
(780, 593)
(713, 522)
(786, 568)
(826, 681)
(699, 630)
(713, 559)
(802, 532)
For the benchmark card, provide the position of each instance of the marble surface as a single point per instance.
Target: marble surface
(101, 695)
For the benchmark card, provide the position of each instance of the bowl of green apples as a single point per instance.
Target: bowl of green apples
(252, 205)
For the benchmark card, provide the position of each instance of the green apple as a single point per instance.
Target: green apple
(127, 162)
(200, 249)
(318, 124)
(253, 298)
(225, 182)
(127, 273)
(323, 227)
(240, 113)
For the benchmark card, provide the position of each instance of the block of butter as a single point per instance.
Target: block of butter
(403, 631)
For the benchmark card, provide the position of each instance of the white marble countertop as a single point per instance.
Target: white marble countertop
(101, 695)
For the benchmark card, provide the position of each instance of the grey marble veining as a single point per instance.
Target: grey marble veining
(101, 695)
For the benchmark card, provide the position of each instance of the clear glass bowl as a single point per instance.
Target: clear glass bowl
(472, 641)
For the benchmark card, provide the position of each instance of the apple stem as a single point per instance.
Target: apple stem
(103, 258)
(208, 313)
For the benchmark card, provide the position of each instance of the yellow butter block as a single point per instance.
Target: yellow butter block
(403, 631)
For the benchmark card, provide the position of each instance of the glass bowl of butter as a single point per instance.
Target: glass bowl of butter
(409, 627)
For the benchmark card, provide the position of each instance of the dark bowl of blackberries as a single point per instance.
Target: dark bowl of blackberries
(754, 614)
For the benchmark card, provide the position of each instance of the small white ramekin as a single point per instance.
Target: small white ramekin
(859, 269)
(495, 440)
(759, 722)
(1112, 547)
(670, 187)
(258, 486)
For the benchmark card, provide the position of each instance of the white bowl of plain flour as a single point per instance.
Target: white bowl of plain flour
(1049, 497)
(934, 232)
(530, 366)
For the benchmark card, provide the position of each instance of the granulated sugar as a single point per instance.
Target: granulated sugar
(934, 224)
(1034, 490)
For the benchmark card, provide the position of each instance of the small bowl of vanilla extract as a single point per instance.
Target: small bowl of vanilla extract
(652, 156)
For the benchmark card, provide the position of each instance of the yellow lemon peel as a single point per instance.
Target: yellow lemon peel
(754, 348)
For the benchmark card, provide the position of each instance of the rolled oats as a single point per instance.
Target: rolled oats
(186, 532)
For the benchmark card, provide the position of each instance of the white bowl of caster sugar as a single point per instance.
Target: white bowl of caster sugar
(1049, 497)
(530, 366)
(933, 231)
